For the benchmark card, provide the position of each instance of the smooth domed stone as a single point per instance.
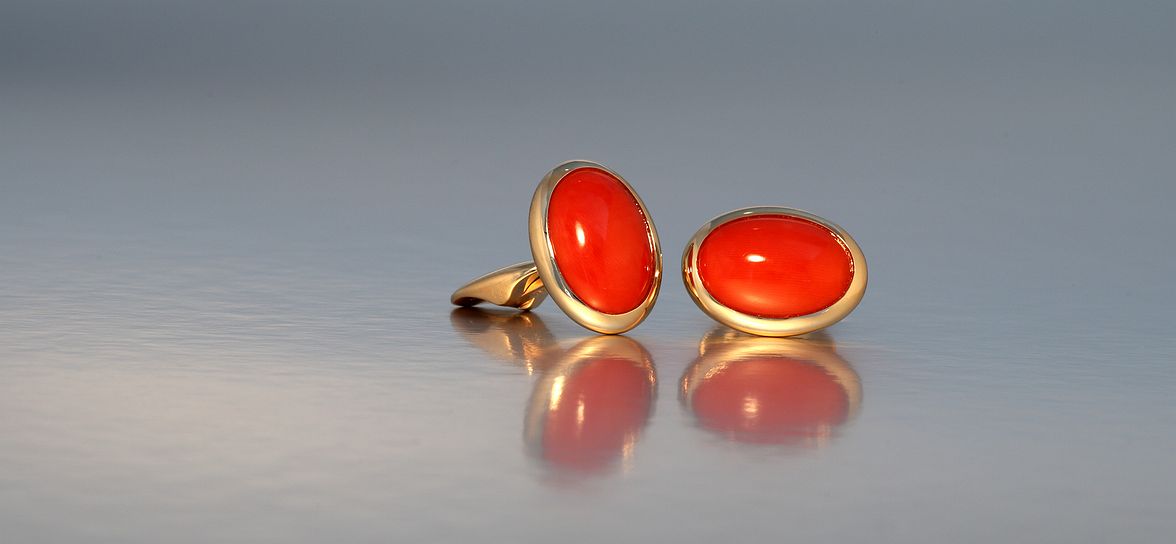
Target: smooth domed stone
(597, 412)
(776, 400)
(600, 240)
(774, 266)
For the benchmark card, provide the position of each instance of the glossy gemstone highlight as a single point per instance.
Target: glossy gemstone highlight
(775, 266)
(600, 239)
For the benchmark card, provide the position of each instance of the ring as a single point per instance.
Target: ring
(595, 250)
(774, 271)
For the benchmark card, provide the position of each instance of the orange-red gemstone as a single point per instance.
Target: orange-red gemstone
(775, 400)
(600, 240)
(596, 413)
(774, 266)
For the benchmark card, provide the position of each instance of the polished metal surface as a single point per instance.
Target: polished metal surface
(228, 239)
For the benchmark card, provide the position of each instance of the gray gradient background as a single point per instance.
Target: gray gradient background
(228, 231)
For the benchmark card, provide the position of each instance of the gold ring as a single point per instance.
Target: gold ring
(774, 271)
(595, 249)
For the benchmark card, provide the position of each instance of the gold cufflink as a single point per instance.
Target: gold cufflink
(774, 271)
(595, 250)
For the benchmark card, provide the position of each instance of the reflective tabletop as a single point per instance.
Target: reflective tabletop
(228, 241)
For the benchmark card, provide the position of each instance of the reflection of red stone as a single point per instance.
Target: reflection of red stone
(775, 400)
(600, 241)
(774, 266)
(595, 413)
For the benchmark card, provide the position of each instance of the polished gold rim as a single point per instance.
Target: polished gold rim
(768, 326)
(552, 278)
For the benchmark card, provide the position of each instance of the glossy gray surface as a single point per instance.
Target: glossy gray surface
(228, 235)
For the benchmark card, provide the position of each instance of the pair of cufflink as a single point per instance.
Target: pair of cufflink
(768, 270)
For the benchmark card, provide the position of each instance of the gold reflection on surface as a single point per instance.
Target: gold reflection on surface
(787, 391)
(589, 408)
(513, 337)
(590, 403)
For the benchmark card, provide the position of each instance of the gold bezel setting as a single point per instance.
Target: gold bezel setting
(549, 272)
(763, 326)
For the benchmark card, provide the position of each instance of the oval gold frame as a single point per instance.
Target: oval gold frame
(552, 278)
(764, 326)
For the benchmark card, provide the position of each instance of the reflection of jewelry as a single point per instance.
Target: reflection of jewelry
(591, 405)
(591, 402)
(596, 252)
(514, 337)
(770, 390)
(774, 271)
